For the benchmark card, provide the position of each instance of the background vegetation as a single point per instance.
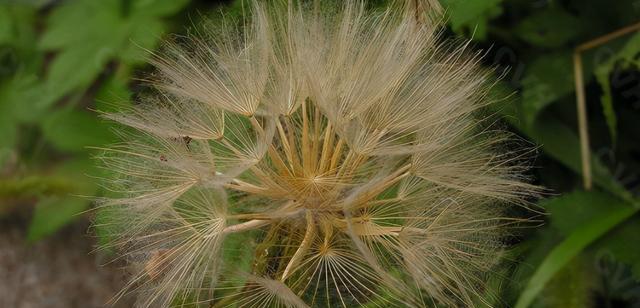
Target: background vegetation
(61, 61)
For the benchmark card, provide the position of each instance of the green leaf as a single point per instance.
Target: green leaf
(145, 34)
(24, 97)
(110, 29)
(59, 208)
(35, 186)
(562, 143)
(606, 100)
(83, 22)
(76, 68)
(86, 34)
(114, 95)
(571, 287)
(239, 251)
(17, 26)
(583, 235)
(158, 8)
(53, 213)
(548, 78)
(549, 28)
(5, 25)
(146, 27)
(534, 250)
(8, 126)
(570, 211)
(73, 131)
(82, 172)
(20, 64)
(106, 24)
(472, 15)
(617, 242)
(627, 57)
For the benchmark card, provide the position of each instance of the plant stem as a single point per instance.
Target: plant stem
(302, 249)
(248, 225)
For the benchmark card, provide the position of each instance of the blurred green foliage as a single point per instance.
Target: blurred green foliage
(61, 61)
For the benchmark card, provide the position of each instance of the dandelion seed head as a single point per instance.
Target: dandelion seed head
(347, 147)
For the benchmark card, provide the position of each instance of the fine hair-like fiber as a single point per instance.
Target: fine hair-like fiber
(320, 155)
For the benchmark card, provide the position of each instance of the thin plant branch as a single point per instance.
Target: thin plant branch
(581, 97)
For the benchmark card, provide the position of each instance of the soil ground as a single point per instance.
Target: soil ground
(61, 271)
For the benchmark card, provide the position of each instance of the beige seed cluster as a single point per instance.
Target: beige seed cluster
(323, 155)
